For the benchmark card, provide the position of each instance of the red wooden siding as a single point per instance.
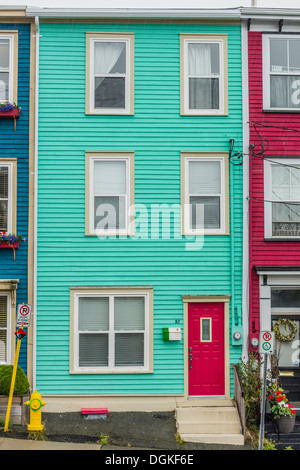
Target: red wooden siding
(282, 132)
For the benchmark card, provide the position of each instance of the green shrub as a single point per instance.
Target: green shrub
(249, 373)
(21, 382)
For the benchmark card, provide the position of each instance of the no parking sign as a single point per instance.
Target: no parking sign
(266, 342)
(23, 315)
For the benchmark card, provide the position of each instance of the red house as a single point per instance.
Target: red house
(274, 184)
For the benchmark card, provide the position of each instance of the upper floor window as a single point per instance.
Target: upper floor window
(109, 69)
(205, 194)
(281, 72)
(110, 193)
(8, 196)
(282, 198)
(203, 74)
(8, 66)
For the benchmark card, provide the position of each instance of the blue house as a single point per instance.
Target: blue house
(15, 34)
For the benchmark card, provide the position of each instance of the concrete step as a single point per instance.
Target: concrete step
(229, 439)
(211, 424)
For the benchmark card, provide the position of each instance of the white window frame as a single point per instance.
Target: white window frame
(268, 194)
(12, 70)
(221, 40)
(224, 229)
(267, 73)
(111, 293)
(8, 328)
(128, 40)
(12, 194)
(128, 158)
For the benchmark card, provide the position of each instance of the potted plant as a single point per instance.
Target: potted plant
(10, 111)
(281, 409)
(8, 240)
(19, 411)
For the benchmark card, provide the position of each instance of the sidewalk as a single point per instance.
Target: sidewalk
(29, 444)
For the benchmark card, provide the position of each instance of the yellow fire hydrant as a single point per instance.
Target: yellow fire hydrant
(35, 404)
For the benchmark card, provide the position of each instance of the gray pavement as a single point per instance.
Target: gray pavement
(29, 444)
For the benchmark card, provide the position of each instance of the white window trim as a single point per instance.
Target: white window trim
(223, 81)
(268, 195)
(128, 39)
(223, 199)
(13, 64)
(266, 71)
(147, 294)
(12, 194)
(129, 217)
(8, 327)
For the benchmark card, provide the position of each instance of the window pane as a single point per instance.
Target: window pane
(93, 314)
(110, 57)
(4, 77)
(285, 298)
(203, 59)
(93, 350)
(204, 177)
(205, 329)
(4, 54)
(110, 213)
(204, 93)
(211, 207)
(285, 91)
(129, 313)
(3, 216)
(3, 346)
(294, 55)
(3, 311)
(278, 55)
(3, 182)
(286, 357)
(129, 349)
(109, 177)
(110, 92)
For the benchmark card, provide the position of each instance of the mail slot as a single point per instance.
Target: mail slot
(171, 334)
(286, 373)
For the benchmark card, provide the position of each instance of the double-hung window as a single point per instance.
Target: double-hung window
(110, 193)
(109, 69)
(282, 198)
(111, 330)
(8, 66)
(8, 196)
(281, 72)
(205, 193)
(203, 74)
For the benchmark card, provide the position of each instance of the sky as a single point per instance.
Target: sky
(152, 3)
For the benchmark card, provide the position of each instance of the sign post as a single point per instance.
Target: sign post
(266, 348)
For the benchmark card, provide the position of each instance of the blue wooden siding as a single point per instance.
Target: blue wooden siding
(15, 144)
(157, 134)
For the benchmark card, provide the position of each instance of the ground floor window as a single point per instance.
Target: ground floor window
(112, 330)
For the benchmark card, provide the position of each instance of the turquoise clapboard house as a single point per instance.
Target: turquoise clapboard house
(139, 208)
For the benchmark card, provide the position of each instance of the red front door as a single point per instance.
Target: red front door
(206, 349)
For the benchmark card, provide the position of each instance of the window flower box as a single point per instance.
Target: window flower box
(10, 111)
(9, 241)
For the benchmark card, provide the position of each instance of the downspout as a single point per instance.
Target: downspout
(36, 121)
(246, 202)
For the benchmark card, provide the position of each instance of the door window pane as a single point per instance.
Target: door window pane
(205, 329)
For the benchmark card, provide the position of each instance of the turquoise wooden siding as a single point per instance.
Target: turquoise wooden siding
(157, 134)
(15, 144)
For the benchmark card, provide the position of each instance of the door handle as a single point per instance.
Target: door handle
(190, 357)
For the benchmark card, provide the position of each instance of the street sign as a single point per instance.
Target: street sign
(266, 342)
(23, 315)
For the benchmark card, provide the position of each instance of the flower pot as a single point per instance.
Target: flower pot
(286, 424)
(9, 245)
(19, 413)
(14, 113)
